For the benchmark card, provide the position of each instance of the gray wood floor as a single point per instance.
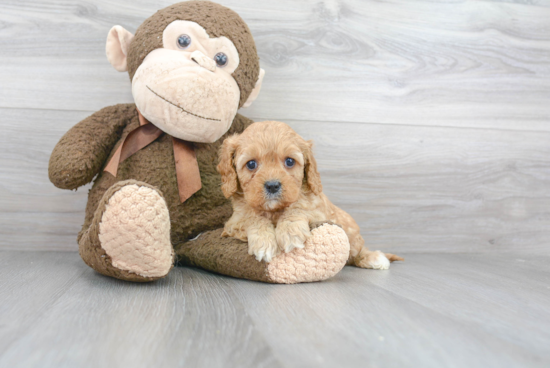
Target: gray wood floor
(434, 310)
(431, 125)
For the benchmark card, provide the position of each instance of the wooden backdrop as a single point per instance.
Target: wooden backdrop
(431, 118)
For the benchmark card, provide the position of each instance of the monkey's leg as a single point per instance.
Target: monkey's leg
(323, 256)
(129, 237)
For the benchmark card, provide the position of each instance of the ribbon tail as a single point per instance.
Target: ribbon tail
(112, 166)
(187, 169)
(137, 139)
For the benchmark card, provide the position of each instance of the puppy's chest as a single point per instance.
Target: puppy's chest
(272, 216)
(313, 215)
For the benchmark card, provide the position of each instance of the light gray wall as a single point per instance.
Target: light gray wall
(431, 118)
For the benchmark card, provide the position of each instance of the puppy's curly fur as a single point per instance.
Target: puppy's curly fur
(271, 176)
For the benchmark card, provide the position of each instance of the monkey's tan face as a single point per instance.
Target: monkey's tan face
(186, 88)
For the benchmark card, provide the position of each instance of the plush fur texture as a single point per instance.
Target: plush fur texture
(135, 231)
(217, 20)
(81, 153)
(279, 222)
(90, 249)
(85, 149)
(324, 254)
(205, 210)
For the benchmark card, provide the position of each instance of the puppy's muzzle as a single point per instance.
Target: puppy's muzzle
(272, 188)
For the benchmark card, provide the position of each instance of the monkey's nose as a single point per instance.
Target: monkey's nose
(272, 186)
(203, 60)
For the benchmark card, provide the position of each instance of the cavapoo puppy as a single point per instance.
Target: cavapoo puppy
(271, 176)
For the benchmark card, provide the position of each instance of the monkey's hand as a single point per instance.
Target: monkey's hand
(83, 150)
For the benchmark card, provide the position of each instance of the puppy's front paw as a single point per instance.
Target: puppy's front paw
(263, 245)
(292, 235)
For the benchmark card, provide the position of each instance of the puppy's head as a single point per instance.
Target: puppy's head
(270, 163)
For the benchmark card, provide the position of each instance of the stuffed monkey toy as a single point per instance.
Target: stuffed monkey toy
(156, 199)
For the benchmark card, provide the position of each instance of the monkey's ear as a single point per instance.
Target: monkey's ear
(256, 91)
(226, 168)
(118, 42)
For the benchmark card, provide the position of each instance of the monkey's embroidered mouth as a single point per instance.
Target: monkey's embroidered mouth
(181, 108)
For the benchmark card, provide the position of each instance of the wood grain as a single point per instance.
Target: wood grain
(433, 310)
(33, 213)
(30, 283)
(466, 64)
(410, 188)
(431, 118)
(471, 280)
(446, 189)
(187, 319)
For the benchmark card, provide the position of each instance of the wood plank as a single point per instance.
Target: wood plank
(437, 189)
(505, 294)
(410, 188)
(433, 310)
(33, 213)
(189, 319)
(30, 283)
(467, 64)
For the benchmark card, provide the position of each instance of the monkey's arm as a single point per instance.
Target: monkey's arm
(324, 254)
(83, 150)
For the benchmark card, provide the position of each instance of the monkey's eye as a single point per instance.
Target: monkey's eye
(251, 165)
(289, 162)
(184, 41)
(221, 59)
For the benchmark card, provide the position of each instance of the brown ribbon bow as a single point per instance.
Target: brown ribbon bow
(187, 168)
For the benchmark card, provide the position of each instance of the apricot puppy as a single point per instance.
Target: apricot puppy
(271, 176)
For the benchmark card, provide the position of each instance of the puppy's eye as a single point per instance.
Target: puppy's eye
(184, 41)
(251, 165)
(289, 162)
(221, 59)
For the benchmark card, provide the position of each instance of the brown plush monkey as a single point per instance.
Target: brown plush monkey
(192, 66)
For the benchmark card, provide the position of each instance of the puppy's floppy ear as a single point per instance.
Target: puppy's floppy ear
(311, 175)
(226, 167)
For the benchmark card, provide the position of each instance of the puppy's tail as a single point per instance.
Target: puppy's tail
(393, 257)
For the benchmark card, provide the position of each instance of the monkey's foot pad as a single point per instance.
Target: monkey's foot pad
(324, 254)
(135, 231)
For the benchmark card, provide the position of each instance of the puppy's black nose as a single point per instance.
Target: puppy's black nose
(272, 186)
